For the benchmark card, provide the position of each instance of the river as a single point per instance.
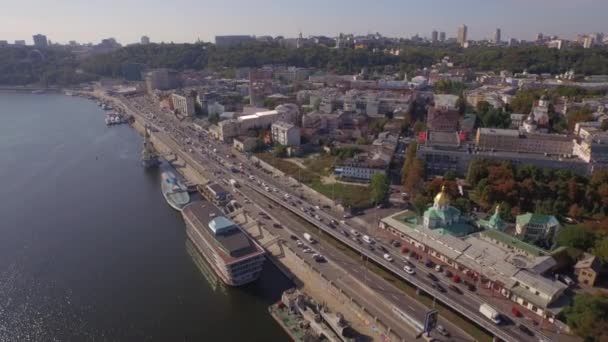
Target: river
(90, 251)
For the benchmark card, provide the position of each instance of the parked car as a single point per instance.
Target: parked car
(405, 250)
(438, 268)
(276, 225)
(429, 263)
(447, 273)
(515, 311)
(455, 288)
(396, 244)
(387, 257)
(456, 278)
(470, 286)
(525, 330)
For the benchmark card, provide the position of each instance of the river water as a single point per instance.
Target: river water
(90, 251)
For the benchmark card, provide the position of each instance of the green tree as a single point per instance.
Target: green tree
(410, 156)
(379, 188)
(280, 151)
(578, 237)
(588, 316)
(601, 249)
(420, 203)
(463, 204)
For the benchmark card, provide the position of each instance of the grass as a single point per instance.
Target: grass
(354, 196)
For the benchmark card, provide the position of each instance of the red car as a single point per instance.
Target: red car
(456, 278)
(405, 250)
(516, 312)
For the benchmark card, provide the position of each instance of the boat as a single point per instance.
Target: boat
(235, 258)
(175, 192)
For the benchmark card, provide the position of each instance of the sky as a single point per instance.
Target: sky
(188, 20)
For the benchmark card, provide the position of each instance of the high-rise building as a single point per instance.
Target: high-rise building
(462, 34)
(40, 41)
(434, 36)
(588, 42)
(442, 36)
(497, 36)
(145, 40)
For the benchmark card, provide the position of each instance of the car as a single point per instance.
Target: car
(515, 311)
(276, 225)
(308, 250)
(383, 249)
(317, 207)
(371, 248)
(447, 273)
(405, 250)
(454, 288)
(293, 237)
(357, 240)
(355, 233)
(334, 222)
(318, 217)
(428, 263)
(442, 331)
(299, 243)
(344, 232)
(387, 257)
(470, 286)
(525, 330)
(437, 287)
(318, 257)
(408, 269)
(438, 268)
(432, 276)
(456, 278)
(396, 244)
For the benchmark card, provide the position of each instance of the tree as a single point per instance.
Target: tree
(379, 188)
(578, 237)
(449, 175)
(410, 156)
(420, 203)
(463, 204)
(280, 151)
(414, 180)
(588, 316)
(601, 249)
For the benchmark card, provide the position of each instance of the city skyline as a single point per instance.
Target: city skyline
(188, 20)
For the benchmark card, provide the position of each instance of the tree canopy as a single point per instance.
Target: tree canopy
(379, 188)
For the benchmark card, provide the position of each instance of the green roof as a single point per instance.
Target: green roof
(531, 218)
(515, 242)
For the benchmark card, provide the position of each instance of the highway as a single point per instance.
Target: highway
(223, 157)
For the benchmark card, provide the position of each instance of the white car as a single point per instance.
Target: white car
(367, 239)
(299, 243)
(438, 268)
(308, 250)
(387, 257)
(355, 233)
(408, 270)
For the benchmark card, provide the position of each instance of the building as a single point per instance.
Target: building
(20, 42)
(234, 257)
(588, 42)
(587, 269)
(445, 218)
(446, 101)
(145, 40)
(537, 229)
(183, 105)
(434, 36)
(161, 79)
(497, 35)
(233, 40)
(462, 35)
(40, 41)
(442, 36)
(510, 267)
(361, 168)
(442, 120)
(285, 133)
(228, 129)
(511, 140)
(244, 143)
(215, 193)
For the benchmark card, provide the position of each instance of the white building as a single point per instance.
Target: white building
(183, 104)
(285, 133)
(226, 130)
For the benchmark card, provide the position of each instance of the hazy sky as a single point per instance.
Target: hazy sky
(187, 20)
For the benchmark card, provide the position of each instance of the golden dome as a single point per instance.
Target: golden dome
(442, 198)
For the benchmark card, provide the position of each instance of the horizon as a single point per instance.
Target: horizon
(185, 21)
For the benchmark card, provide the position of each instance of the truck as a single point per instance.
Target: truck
(490, 313)
(309, 238)
(234, 183)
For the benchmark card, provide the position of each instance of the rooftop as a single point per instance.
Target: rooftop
(536, 219)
